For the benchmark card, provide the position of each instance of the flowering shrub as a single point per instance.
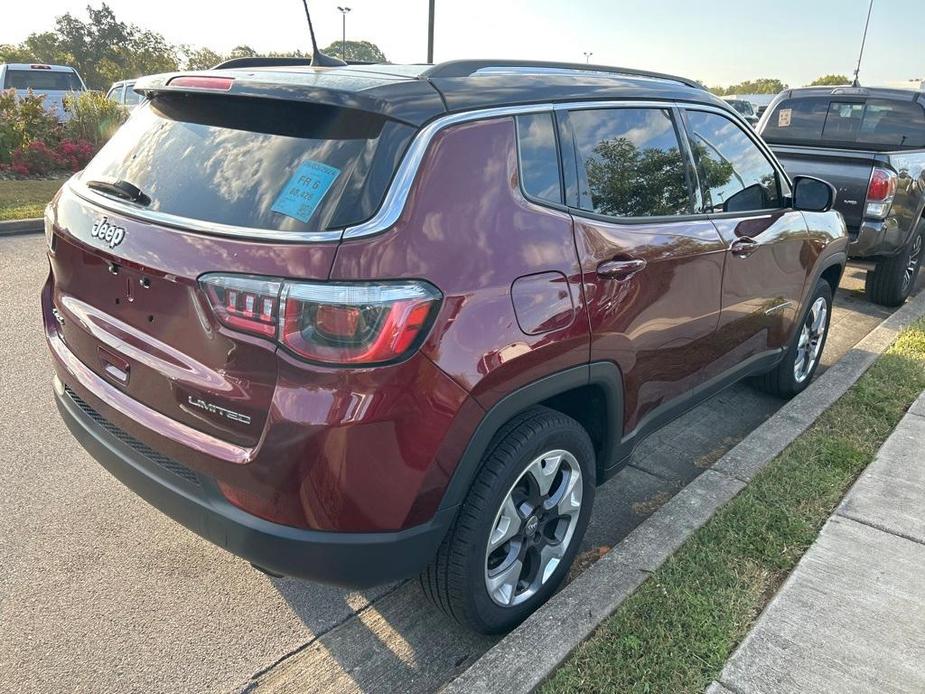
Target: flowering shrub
(23, 119)
(38, 159)
(34, 143)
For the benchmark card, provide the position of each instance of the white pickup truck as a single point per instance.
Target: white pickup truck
(54, 82)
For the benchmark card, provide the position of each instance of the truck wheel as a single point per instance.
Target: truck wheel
(893, 279)
(521, 524)
(796, 370)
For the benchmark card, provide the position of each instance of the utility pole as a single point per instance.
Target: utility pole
(588, 55)
(857, 70)
(430, 32)
(343, 40)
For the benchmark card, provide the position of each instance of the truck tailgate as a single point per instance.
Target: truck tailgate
(847, 170)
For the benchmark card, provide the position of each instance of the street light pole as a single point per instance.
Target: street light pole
(343, 41)
(588, 55)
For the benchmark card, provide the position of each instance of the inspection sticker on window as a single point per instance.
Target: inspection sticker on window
(305, 190)
(783, 117)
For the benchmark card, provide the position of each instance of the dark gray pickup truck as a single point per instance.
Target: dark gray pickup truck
(870, 144)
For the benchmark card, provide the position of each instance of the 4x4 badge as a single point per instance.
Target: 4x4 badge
(110, 233)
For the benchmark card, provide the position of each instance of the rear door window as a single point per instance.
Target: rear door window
(630, 163)
(539, 157)
(256, 163)
(888, 122)
(843, 121)
(797, 120)
(735, 174)
(42, 80)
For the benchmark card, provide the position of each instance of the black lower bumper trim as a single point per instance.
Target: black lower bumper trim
(356, 560)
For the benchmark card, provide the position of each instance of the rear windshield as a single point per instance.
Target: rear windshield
(42, 80)
(258, 163)
(849, 122)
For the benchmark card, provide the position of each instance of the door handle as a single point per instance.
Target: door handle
(620, 269)
(744, 247)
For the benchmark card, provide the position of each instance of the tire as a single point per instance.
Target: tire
(892, 279)
(791, 376)
(539, 444)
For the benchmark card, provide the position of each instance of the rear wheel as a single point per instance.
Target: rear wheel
(893, 279)
(520, 527)
(796, 369)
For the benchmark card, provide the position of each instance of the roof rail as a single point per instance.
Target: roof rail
(260, 61)
(467, 68)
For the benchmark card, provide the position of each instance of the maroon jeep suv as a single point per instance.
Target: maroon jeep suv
(356, 324)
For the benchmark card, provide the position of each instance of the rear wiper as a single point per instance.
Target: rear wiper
(120, 189)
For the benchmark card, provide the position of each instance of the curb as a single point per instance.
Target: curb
(523, 659)
(22, 226)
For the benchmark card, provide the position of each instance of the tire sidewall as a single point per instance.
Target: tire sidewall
(822, 289)
(493, 617)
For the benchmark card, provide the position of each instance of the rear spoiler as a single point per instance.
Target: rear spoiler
(413, 102)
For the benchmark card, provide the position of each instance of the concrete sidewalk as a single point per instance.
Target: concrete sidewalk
(851, 616)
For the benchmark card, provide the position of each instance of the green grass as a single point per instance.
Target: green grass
(26, 199)
(677, 631)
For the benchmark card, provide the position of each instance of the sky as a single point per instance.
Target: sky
(717, 42)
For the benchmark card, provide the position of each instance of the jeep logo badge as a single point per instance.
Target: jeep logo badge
(109, 233)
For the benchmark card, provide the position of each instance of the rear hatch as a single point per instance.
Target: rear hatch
(196, 184)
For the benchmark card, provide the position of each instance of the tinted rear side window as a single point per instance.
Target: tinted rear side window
(631, 163)
(735, 174)
(229, 160)
(539, 157)
(887, 122)
(42, 81)
(797, 120)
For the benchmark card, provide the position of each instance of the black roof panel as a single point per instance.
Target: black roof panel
(417, 93)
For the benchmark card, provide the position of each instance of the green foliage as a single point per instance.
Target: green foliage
(24, 120)
(676, 632)
(833, 80)
(762, 85)
(94, 118)
(362, 51)
(104, 49)
(198, 58)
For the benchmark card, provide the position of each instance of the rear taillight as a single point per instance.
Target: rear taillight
(349, 323)
(244, 303)
(880, 192)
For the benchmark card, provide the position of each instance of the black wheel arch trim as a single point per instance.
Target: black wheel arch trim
(605, 375)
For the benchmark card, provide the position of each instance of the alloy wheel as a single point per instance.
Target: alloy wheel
(533, 528)
(811, 337)
(912, 266)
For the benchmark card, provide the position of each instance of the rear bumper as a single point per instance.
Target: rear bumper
(349, 559)
(873, 238)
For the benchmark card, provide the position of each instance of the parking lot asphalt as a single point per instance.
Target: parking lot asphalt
(101, 592)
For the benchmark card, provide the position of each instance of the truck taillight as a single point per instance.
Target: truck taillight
(880, 192)
(339, 323)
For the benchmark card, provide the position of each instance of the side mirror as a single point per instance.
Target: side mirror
(813, 194)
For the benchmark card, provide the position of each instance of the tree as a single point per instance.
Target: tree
(103, 49)
(244, 51)
(359, 51)
(199, 58)
(827, 80)
(762, 85)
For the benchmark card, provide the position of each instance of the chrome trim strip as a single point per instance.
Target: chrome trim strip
(397, 195)
(188, 224)
(778, 307)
